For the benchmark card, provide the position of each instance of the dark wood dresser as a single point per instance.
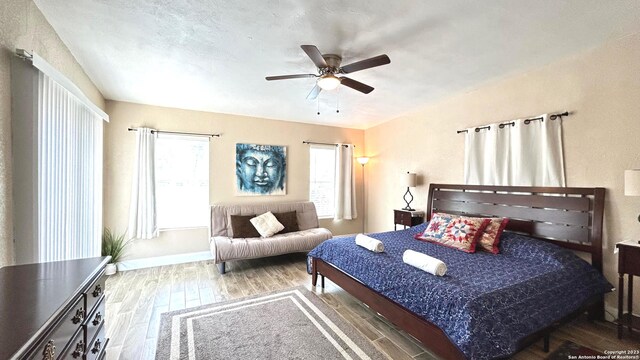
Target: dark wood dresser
(53, 310)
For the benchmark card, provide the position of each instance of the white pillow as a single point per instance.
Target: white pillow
(266, 224)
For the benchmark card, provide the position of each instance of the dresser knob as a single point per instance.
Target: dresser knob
(49, 352)
(97, 291)
(97, 319)
(79, 316)
(79, 350)
(96, 347)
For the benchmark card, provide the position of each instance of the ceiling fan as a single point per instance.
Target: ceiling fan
(329, 66)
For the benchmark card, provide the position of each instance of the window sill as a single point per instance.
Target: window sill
(326, 217)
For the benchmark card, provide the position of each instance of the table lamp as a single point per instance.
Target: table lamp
(409, 180)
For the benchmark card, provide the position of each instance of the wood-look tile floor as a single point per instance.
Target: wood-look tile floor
(135, 300)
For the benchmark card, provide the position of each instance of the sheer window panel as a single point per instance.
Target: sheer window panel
(182, 181)
(322, 179)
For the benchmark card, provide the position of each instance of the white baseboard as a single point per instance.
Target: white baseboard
(164, 260)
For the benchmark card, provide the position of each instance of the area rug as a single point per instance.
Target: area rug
(288, 324)
(570, 350)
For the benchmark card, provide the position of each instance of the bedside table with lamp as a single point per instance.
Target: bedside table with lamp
(407, 216)
(628, 262)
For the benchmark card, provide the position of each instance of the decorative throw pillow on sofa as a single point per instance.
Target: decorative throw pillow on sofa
(267, 224)
(491, 236)
(289, 220)
(241, 226)
(458, 232)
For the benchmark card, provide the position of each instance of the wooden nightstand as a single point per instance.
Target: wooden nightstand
(407, 218)
(628, 263)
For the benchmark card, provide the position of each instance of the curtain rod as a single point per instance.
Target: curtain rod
(177, 133)
(512, 123)
(321, 143)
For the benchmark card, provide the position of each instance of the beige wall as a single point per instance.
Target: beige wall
(602, 90)
(119, 157)
(22, 25)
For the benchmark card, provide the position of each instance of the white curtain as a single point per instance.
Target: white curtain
(69, 200)
(143, 217)
(345, 184)
(522, 154)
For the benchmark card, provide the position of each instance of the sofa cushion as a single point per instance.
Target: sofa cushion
(267, 224)
(227, 249)
(242, 227)
(220, 214)
(289, 220)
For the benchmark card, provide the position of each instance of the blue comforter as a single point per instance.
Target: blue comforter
(486, 303)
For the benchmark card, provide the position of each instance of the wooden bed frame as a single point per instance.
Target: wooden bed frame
(568, 217)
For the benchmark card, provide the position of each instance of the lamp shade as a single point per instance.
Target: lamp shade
(363, 160)
(328, 82)
(410, 179)
(632, 182)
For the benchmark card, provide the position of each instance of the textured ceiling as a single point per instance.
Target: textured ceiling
(213, 55)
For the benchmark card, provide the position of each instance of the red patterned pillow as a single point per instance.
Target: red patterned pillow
(491, 236)
(461, 233)
(437, 225)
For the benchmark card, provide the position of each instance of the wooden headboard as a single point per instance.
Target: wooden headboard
(568, 217)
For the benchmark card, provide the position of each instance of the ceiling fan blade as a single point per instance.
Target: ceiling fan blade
(314, 92)
(315, 55)
(366, 64)
(284, 77)
(356, 85)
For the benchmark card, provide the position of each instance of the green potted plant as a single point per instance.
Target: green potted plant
(113, 245)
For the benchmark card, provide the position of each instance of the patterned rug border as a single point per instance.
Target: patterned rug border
(368, 348)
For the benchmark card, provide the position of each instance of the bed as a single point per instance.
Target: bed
(488, 306)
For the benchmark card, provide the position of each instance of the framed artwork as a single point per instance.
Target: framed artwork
(261, 170)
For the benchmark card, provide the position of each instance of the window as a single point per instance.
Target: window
(322, 179)
(182, 181)
(57, 174)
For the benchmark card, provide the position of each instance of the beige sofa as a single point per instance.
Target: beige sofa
(226, 248)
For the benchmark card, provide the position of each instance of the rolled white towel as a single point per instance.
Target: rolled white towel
(369, 243)
(425, 262)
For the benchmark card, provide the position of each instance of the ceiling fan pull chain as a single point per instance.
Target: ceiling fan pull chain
(338, 102)
(318, 105)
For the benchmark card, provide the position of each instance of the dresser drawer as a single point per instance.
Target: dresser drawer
(94, 293)
(95, 320)
(75, 349)
(96, 348)
(402, 217)
(58, 339)
(628, 260)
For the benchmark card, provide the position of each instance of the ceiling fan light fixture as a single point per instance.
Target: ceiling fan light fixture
(328, 82)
